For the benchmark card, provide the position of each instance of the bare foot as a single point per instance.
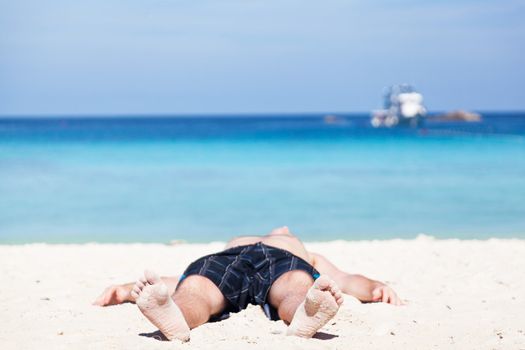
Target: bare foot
(320, 305)
(154, 301)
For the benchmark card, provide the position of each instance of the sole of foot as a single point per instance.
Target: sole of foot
(153, 300)
(320, 306)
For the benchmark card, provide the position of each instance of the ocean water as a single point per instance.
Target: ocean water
(208, 178)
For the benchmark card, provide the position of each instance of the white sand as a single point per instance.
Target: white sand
(461, 294)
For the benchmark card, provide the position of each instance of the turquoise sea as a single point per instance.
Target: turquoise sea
(156, 179)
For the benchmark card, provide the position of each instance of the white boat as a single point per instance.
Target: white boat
(403, 106)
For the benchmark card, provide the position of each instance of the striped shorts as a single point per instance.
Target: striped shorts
(245, 274)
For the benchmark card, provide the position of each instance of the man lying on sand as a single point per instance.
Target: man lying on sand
(275, 271)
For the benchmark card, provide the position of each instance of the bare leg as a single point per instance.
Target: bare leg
(304, 304)
(199, 299)
(190, 306)
(121, 293)
(288, 292)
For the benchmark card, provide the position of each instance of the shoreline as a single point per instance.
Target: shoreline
(464, 294)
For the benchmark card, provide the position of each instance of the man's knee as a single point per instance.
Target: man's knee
(296, 279)
(202, 291)
(295, 282)
(194, 283)
(199, 287)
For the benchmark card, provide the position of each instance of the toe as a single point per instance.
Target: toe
(136, 289)
(322, 283)
(140, 284)
(335, 290)
(134, 294)
(336, 287)
(151, 277)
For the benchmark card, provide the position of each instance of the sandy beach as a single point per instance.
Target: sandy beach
(459, 294)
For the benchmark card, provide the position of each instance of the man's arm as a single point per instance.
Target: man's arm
(359, 286)
(121, 293)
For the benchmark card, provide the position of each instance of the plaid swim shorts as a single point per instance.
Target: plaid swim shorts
(244, 274)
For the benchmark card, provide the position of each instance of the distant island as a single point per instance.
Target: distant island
(457, 116)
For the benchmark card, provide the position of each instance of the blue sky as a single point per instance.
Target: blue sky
(61, 57)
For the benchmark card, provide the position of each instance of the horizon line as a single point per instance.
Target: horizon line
(220, 115)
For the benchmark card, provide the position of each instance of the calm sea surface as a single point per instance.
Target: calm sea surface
(200, 179)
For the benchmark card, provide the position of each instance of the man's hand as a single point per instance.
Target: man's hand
(114, 295)
(385, 294)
